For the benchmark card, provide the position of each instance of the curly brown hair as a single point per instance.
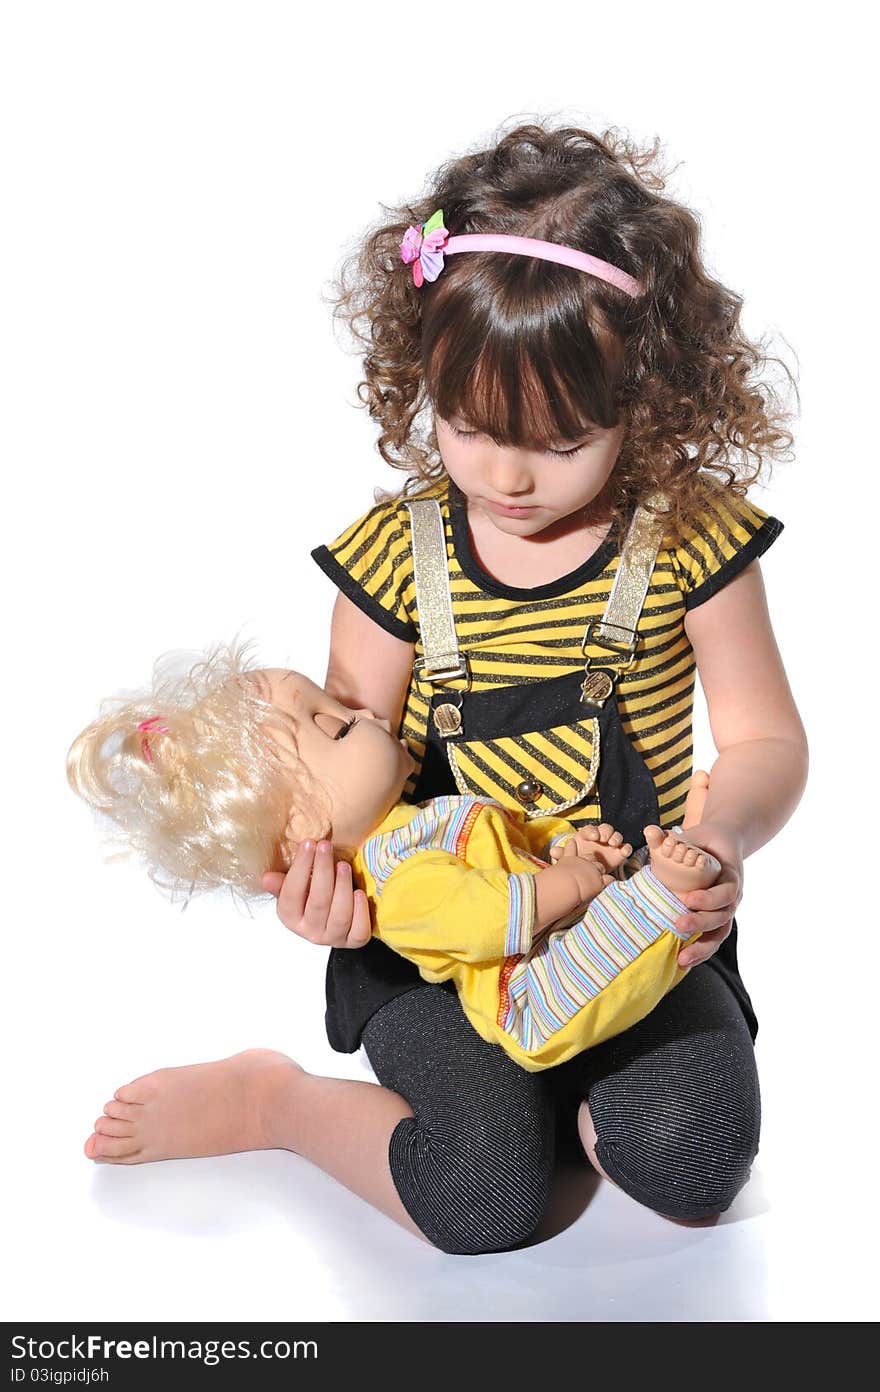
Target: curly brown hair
(530, 352)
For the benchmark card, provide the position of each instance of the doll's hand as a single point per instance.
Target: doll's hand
(567, 887)
(317, 900)
(712, 909)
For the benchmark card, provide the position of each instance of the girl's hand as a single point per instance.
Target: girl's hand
(317, 900)
(713, 908)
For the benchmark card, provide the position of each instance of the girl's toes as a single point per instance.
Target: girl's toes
(110, 1147)
(132, 1092)
(654, 837)
(124, 1111)
(110, 1126)
(606, 831)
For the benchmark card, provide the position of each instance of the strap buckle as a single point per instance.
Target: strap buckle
(610, 635)
(619, 643)
(453, 667)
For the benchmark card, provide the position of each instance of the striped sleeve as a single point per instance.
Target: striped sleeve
(371, 563)
(727, 534)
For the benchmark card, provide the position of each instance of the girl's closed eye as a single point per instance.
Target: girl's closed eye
(557, 453)
(345, 727)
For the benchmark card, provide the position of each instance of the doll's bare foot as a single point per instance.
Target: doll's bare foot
(237, 1103)
(679, 865)
(602, 844)
(696, 798)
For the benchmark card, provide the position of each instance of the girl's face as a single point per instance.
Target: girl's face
(353, 755)
(524, 492)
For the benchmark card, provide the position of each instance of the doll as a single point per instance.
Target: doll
(215, 777)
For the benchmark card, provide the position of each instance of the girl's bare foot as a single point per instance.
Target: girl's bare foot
(696, 799)
(679, 865)
(237, 1103)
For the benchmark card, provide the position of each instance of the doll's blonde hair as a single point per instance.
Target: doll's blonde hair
(198, 774)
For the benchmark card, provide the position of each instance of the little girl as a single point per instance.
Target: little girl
(242, 764)
(578, 413)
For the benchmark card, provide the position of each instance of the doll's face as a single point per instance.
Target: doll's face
(356, 758)
(527, 492)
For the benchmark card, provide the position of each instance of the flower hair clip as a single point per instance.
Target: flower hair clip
(423, 248)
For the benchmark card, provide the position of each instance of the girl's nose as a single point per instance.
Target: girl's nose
(509, 474)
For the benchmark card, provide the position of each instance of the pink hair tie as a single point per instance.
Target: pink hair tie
(427, 246)
(155, 725)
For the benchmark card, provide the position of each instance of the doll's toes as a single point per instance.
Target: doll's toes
(654, 837)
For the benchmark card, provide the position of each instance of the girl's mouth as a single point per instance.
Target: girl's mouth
(511, 509)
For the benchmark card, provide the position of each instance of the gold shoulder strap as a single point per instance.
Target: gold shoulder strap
(614, 633)
(616, 630)
(441, 660)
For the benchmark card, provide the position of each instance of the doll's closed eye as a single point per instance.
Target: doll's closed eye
(333, 725)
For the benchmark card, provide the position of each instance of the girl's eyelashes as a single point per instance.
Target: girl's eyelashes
(557, 453)
(345, 727)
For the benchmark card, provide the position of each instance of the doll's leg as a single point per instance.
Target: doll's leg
(473, 1164)
(679, 865)
(548, 987)
(258, 1100)
(672, 1110)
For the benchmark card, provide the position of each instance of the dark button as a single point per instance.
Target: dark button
(529, 790)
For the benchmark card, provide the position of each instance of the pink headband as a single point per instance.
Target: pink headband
(426, 246)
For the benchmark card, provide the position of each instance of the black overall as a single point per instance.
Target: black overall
(360, 981)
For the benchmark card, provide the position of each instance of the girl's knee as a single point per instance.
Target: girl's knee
(681, 1172)
(474, 1193)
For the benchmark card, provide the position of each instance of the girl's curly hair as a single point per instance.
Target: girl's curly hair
(530, 352)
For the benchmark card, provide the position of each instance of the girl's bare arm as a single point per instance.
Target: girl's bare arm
(761, 770)
(760, 773)
(368, 668)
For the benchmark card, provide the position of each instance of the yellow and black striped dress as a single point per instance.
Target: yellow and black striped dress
(522, 636)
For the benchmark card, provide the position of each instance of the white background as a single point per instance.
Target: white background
(179, 430)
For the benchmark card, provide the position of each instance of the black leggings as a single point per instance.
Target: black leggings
(674, 1101)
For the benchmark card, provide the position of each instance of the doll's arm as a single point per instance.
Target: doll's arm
(570, 884)
(433, 905)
